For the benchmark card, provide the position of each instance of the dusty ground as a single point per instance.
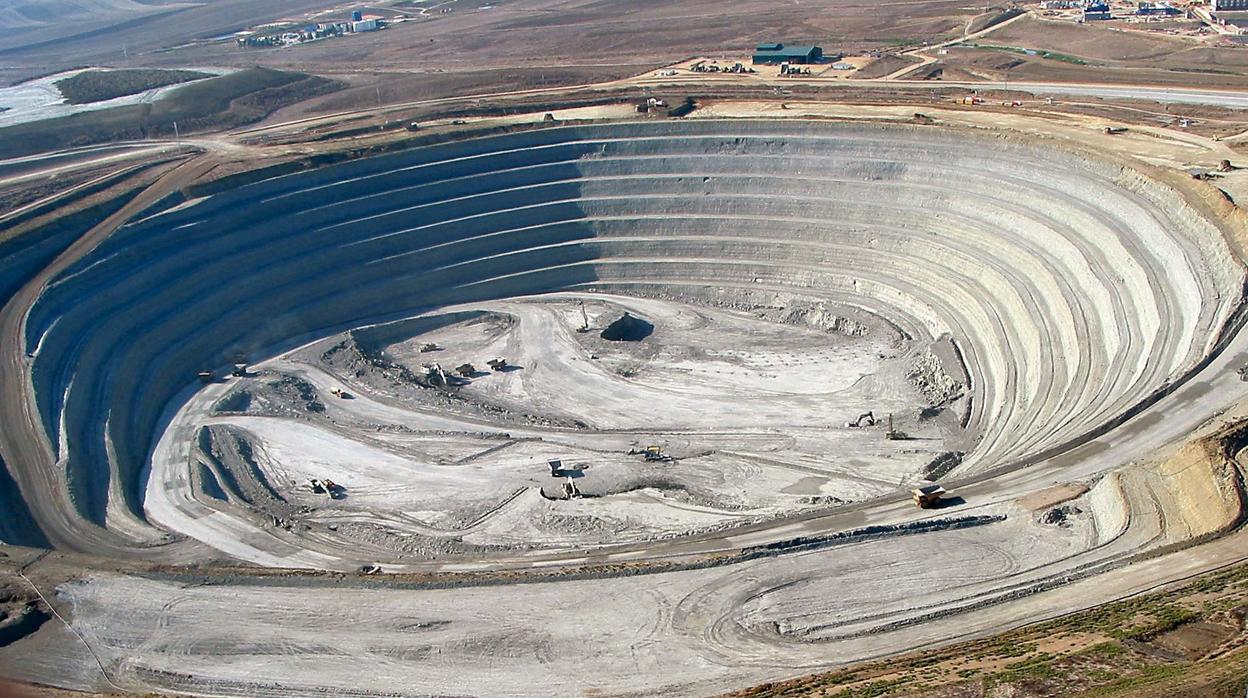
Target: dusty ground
(517, 43)
(724, 626)
(731, 418)
(1034, 48)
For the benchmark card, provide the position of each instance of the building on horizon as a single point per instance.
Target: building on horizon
(765, 54)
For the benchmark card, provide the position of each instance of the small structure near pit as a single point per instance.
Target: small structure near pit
(779, 53)
(927, 496)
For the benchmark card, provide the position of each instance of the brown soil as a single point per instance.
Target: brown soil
(1108, 55)
(885, 65)
(1195, 640)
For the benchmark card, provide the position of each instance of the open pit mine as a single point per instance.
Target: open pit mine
(623, 407)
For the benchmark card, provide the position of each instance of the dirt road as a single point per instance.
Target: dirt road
(23, 439)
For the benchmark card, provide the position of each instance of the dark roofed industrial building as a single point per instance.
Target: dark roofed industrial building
(779, 53)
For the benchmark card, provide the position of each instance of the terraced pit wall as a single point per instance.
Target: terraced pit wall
(1073, 288)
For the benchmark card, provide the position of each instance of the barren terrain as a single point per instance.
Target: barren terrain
(735, 293)
(453, 366)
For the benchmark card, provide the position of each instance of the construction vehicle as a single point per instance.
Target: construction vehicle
(239, 370)
(340, 393)
(893, 433)
(867, 417)
(370, 569)
(1114, 130)
(927, 496)
(497, 364)
(584, 319)
(570, 490)
(428, 347)
(973, 100)
(434, 374)
(655, 454)
(466, 370)
(1225, 166)
(325, 486)
(204, 376)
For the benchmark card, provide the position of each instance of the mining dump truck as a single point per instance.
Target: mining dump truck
(204, 376)
(927, 496)
(497, 364)
(466, 370)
